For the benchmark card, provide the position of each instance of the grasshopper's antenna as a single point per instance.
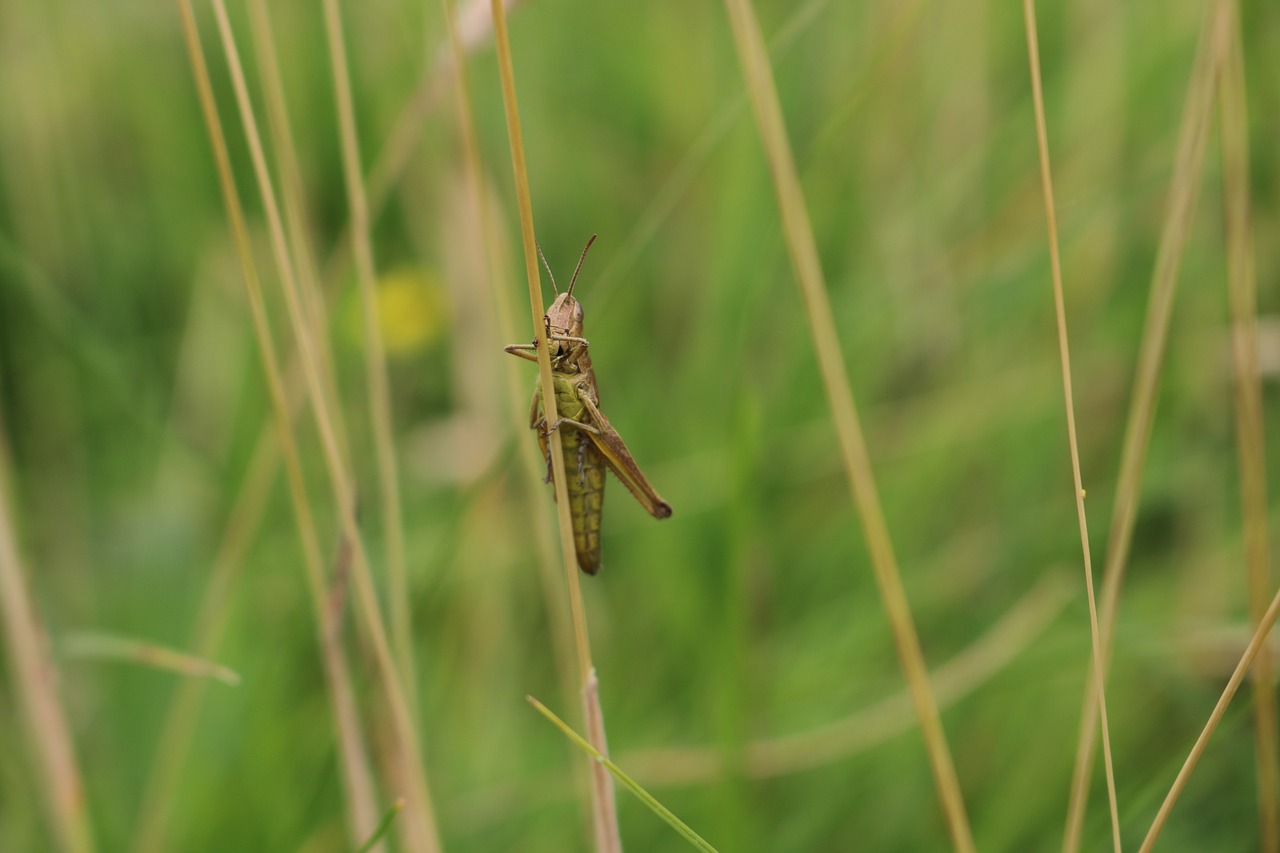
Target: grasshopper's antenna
(548, 266)
(579, 266)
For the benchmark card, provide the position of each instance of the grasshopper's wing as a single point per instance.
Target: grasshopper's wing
(621, 463)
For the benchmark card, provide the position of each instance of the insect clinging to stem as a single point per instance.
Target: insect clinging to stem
(589, 442)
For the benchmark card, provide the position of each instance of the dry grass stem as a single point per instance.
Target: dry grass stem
(472, 27)
(1064, 356)
(247, 508)
(1256, 644)
(602, 797)
(354, 764)
(804, 257)
(35, 679)
(1184, 186)
(1251, 451)
(294, 199)
(604, 812)
(374, 356)
(516, 391)
(419, 824)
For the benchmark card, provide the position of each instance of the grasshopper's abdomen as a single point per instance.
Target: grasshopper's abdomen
(584, 470)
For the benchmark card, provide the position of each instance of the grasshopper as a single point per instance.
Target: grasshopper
(592, 443)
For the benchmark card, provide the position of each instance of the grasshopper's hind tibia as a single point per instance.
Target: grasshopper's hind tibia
(620, 461)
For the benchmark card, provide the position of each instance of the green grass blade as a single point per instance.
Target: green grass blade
(632, 785)
(383, 826)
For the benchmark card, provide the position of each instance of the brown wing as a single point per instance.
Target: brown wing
(621, 463)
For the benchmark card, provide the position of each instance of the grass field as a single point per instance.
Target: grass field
(199, 653)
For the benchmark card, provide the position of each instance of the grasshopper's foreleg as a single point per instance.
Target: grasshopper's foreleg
(570, 338)
(529, 352)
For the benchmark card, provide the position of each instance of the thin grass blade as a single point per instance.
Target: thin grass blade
(1064, 357)
(754, 58)
(604, 809)
(1184, 186)
(1250, 432)
(630, 784)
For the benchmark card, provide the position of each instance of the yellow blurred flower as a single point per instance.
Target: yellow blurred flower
(411, 312)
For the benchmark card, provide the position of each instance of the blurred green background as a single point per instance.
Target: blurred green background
(132, 399)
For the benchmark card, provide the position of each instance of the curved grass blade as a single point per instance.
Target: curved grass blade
(111, 647)
(383, 826)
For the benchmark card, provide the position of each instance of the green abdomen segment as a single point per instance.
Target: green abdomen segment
(584, 470)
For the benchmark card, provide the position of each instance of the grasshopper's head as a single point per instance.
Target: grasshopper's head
(564, 317)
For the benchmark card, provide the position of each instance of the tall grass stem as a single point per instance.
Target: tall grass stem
(1251, 450)
(1184, 186)
(294, 200)
(35, 679)
(1064, 357)
(560, 624)
(754, 57)
(604, 809)
(419, 824)
(375, 358)
(357, 780)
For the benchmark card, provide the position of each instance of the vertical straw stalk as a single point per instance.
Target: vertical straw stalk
(1064, 357)
(1183, 188)
(604, 811)
(517, 401)
(1251, 453)
(357, 782)
(419, 823)
(798, 232)
(247, 508)
(374, 355)
(35, 681)
(293, 196)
